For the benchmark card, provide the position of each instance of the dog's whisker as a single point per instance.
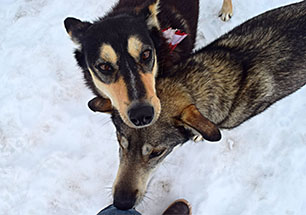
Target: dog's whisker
(146, 196)
(108, 188)
(109, 195)
(168, 163)
(106, 122)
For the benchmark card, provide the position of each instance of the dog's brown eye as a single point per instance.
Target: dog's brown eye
(155, 154)
(104, 67)
(146, 55)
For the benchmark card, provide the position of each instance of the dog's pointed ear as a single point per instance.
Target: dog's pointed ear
(76, 29)
(99, 104)
(150, 10)
(194, 120)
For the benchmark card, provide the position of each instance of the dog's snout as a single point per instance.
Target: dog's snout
(125, 200)
(141, 115)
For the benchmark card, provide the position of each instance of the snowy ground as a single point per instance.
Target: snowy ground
(57, 157)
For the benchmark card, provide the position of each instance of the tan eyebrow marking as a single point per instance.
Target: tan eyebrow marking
(134, 46)
(108, 54)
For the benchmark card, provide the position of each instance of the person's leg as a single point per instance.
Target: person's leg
(179, 207)
(111, 210)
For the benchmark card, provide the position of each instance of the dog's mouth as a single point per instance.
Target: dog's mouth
(127, 202)
(125, 199)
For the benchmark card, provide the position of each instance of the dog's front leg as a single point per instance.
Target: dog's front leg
(226, 11)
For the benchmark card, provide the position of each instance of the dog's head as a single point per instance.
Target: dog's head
(118, 56)
(141, 150)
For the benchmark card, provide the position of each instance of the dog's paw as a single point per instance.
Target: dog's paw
(226, 11)
(225, 15)
(197, 138)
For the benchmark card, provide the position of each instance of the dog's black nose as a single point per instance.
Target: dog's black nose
(124, 200)
(141, 115)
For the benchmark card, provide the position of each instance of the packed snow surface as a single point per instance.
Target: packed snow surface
(58, 157)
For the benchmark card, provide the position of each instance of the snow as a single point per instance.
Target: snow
(58, 157)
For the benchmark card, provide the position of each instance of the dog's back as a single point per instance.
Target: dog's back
(245, 71)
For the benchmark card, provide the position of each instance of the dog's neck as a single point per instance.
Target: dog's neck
(199, 81)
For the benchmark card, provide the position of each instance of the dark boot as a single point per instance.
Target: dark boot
(179, 207)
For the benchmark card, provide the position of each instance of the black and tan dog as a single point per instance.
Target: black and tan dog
(122, 53)
(221, 86)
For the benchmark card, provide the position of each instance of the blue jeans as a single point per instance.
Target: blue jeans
(111, 210)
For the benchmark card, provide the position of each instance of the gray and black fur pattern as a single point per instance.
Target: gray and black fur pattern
(261, 61)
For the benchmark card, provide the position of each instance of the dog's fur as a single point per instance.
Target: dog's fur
(122, 53)
(221, 86)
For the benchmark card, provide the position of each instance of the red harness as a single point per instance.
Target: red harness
(173, 37)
